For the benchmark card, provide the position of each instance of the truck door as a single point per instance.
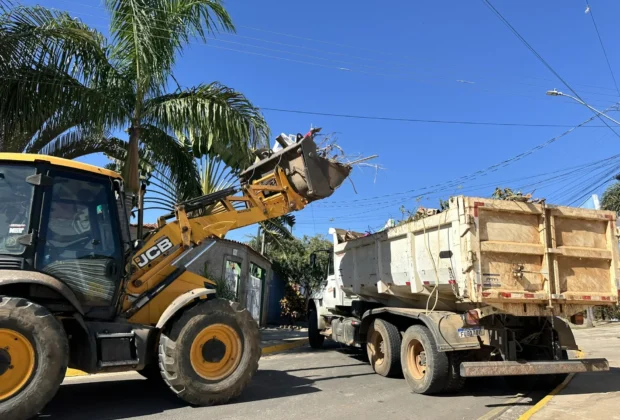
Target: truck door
(79, 241)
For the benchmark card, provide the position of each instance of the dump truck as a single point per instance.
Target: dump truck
(76, 291)
(483, 288)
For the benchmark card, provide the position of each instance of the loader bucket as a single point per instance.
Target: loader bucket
(311, 175)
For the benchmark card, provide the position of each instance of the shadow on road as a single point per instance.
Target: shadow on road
(595, 383)
(121, 399)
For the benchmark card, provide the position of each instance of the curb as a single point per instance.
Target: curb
(540, 404)
(269, 350)
(299, 342)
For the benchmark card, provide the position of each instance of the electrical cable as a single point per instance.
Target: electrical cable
(600, 39)
(542, 60)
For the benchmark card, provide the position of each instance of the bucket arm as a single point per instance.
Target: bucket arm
(281, 183)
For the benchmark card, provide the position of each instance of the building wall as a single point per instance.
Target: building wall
(214, 262)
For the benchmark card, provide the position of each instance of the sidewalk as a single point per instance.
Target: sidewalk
(273, 340)
(590, 395)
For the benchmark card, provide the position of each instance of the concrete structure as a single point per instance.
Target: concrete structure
(246, 271)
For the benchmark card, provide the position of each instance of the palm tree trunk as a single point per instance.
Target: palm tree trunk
(131, 170)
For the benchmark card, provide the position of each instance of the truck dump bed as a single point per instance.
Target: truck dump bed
(521, 258)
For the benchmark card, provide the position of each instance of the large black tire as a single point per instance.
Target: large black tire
(455, 380)
(315, 338)
(180, 365)
(383, 348)
(426, 369)
(38, 340)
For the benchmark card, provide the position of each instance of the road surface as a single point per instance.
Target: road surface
(335, 383)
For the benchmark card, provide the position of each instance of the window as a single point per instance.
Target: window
(81, 244)
(233, 274)
(15, 199)
(257, 271)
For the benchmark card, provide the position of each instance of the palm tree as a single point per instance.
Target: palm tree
(611, 198)
(65, 87)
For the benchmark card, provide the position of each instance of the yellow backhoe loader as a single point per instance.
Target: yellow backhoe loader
(76, 291)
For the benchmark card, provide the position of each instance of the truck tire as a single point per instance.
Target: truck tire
(210, 353)
(455, 380)
(34, 353)
(315, 338)
(383, 348)
(426, 369)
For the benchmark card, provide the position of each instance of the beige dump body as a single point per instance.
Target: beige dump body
(520, 258)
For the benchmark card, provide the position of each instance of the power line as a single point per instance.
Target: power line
(541, 59)
(379, 118)
(367, 117)
(598, 34)
(496, 166)
(446, 79)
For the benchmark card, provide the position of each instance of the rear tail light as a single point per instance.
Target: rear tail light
(472, 317)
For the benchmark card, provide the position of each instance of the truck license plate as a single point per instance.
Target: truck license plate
(470, 332)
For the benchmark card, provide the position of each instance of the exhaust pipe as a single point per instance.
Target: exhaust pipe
(311, 175)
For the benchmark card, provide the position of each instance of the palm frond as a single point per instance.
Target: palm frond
(80, 142)
(221, 121)
(150, 34)
(173, 160)
(52, 65)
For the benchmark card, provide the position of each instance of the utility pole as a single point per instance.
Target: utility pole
(260, 236)
(262, 246)
(590, 323)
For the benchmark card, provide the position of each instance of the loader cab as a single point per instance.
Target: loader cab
(66, 220)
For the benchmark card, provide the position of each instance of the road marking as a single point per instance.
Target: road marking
(298, 342)
(499, 410)
(74, 372)
(529, 413)
(292, 344)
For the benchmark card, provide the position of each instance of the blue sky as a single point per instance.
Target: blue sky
(450, 60)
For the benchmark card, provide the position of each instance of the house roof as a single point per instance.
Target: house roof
(146, 225)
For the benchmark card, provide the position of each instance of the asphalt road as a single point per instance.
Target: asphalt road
(335, 383)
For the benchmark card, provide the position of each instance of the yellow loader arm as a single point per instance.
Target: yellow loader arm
(281, 183)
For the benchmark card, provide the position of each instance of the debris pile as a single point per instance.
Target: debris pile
(508, 194)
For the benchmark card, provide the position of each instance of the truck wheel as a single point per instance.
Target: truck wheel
(34, 354)
(383, 348)
(210, 353)
(425, 368)
(314, 334)
(455, 380)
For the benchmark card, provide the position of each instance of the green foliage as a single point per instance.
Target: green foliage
(69, 87)
(293, 304)
(611, 198)
(510, 195)
(223, 289)
(607, 313)
(291, 260)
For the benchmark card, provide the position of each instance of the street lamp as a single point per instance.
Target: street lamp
(557, 93)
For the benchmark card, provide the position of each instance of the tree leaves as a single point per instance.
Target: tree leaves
(63, 84)
(611, 198)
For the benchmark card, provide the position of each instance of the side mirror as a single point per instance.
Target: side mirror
(139, 243)
(313, 259)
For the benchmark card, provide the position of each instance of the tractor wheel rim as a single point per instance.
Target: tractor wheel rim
(377, 348)
(16, 362)
(216, 352)
(416, 359)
